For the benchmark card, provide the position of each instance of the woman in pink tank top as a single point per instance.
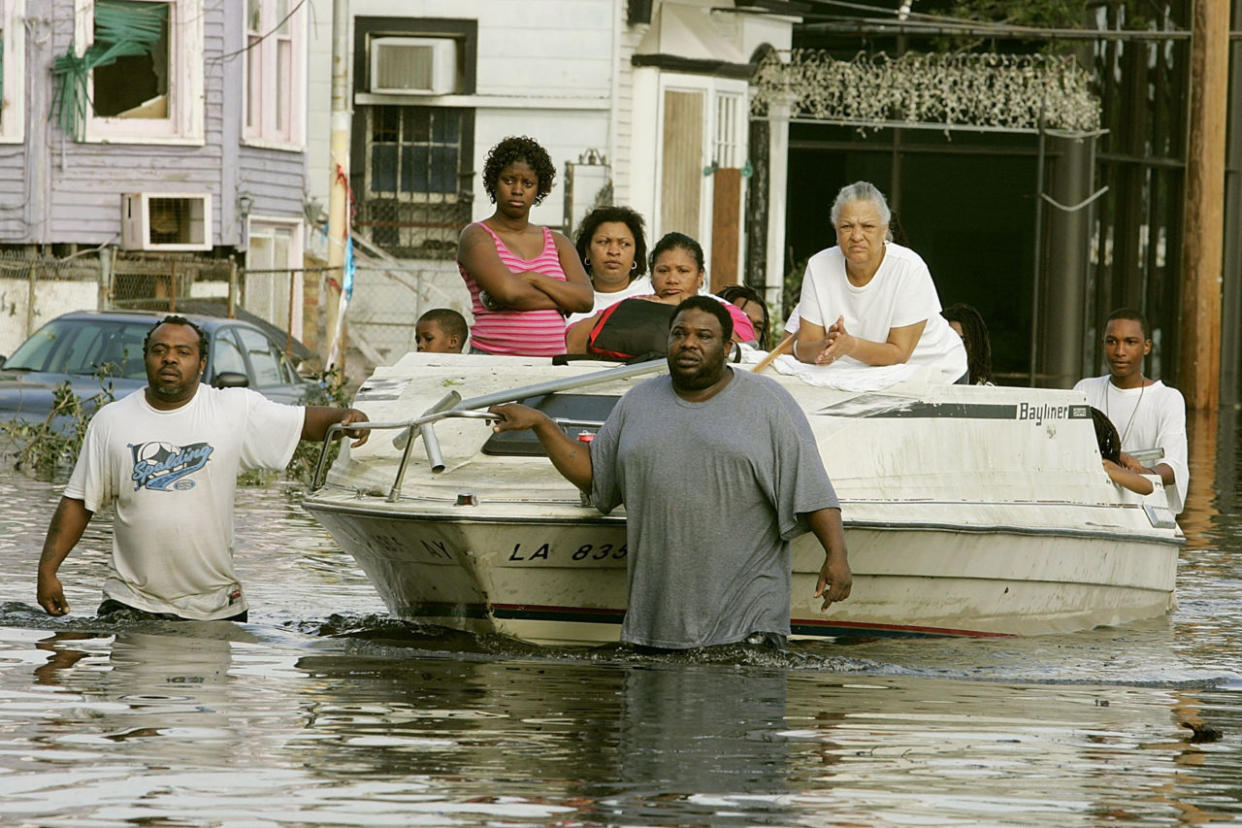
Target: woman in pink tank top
(523, 279)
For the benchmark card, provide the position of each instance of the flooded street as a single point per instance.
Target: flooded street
(324, 711)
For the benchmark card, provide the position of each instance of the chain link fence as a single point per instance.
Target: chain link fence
(388, 297)
(165, 282)
(36, 288)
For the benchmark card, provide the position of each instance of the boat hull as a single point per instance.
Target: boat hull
(975, 511)
(563, 581)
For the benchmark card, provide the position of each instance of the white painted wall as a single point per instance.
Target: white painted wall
(559, 71)
(563, 133)
(545, 69)
(52, 298)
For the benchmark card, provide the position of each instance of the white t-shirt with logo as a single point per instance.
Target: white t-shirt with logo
(901, 293)
(173, 475)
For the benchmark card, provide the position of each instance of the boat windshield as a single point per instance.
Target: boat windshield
(580, 407)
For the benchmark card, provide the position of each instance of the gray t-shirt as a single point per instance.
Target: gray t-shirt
(714, 491)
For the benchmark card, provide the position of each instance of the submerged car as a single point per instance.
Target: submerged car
(100, 354)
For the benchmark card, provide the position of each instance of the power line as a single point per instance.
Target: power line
(924, 23)
(263, 37)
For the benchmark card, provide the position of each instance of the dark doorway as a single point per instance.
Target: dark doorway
(964, 203)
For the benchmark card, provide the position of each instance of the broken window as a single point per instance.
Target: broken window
(133, 73)
(131, 59)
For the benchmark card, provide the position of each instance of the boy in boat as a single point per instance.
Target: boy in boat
(1147, 413)
(718, 470)
(441, 331)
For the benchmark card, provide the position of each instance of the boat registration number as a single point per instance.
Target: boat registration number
(585, 552)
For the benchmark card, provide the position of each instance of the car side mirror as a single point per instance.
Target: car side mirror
(230, 379)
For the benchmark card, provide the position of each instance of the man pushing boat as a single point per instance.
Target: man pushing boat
(168, 456)
(719, 471)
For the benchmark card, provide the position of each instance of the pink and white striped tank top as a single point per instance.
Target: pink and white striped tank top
(519, 333)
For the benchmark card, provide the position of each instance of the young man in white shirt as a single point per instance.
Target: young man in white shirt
(1146, 413)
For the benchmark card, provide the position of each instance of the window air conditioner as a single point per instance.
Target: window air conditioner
(166, 221)
(413, 66)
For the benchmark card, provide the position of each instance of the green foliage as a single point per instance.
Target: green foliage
(791, 291)
(1053, 14)
(306, 456)
(42, 448)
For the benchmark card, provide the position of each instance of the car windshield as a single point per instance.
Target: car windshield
(84, 346)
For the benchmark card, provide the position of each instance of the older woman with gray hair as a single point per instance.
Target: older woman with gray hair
(870, 301)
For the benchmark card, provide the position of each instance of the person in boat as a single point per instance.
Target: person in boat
(751, 304)
(612, 245)
(1109, 442)
(967, 322)
(718, 470)
(677, 271)
(1148, 413)
(522, 278)
(871, 301)
(169, 456)
(441, 331)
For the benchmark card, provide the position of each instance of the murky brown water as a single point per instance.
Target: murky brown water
(322, 711)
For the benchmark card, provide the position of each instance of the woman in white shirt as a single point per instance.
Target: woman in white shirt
(613, 250)
(869, 301)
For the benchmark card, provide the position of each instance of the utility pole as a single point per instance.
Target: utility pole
(1203, 236)
(338, 199)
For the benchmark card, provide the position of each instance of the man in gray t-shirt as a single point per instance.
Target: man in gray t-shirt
(719, 471)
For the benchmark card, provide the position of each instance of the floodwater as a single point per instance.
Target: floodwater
(323, 711)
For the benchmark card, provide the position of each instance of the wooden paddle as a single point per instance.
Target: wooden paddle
(783, 347)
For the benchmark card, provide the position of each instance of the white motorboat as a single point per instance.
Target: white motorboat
(976, 511)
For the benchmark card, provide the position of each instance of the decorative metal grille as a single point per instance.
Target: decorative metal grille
(1012, 93)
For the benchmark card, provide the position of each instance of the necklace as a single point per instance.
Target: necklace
(1108, 393)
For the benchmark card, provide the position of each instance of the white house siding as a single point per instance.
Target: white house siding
(544, 69)
(275, 179)
(549, 48)
(12, 191)
(623, 128)
(564, 134)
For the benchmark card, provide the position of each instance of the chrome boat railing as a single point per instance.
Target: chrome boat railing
(452, 405)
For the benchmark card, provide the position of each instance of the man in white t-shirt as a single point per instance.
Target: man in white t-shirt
(169, 456)
(1146, 413)
(869, 301)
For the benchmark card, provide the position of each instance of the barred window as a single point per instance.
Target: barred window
(414, 199)
(414, 150)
